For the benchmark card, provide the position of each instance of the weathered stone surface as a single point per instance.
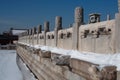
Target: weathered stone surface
(46, 26)
(119, 6)
(80, 70)
(79, 15)
(39, 29)
(58, 26)
(117, 33)
(99, 34)
(50, 36)
(45, 54)
(58, 23)
(118, 75)
(109, 73)
(94, 73)
(35, 39)
(63, 60)
(54, 56)
(65, 38)
(41, 40)
(36, 51)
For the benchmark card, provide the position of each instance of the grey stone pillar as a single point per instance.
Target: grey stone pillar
(58, 22)
(119, 6)
(46, 29)
(108, 17)
(78, 21)
(116, 33)
(29, 36)
(29, 31)
(58, 26)
(32, 41)
(34, 30)
(79, 15)
(46, 26)
(26, 36)
(39, 29)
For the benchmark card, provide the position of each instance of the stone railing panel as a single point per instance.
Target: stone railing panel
(65, 38)
(50, 41)
(41, 38)
(93, 36)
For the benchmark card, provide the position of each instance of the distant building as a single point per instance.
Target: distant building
(10, 36)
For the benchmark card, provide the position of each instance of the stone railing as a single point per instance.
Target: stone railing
(82, 37)
(98, 37)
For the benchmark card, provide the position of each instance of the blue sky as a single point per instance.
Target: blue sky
(29, 13)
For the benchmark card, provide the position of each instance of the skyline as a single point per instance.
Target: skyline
(27, 14)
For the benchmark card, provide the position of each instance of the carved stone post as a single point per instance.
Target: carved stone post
(58, 22)
(108, 17)
(46, 26)
(38, 32)
(34, 30)
(46, 29)
(116, 33)
(58, 26)
(30, 31)
(79, 15)
(30, 40)
(119, 6)
(29, 36)
(32, 36)
(76, 25)
(39, 29)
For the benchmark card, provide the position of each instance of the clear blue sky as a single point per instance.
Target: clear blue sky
(30, 13)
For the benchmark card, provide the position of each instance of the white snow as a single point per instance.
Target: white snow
(8, 67)
(16, 32)
(101, 59)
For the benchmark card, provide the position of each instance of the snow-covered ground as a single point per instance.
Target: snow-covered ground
(8, 67)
